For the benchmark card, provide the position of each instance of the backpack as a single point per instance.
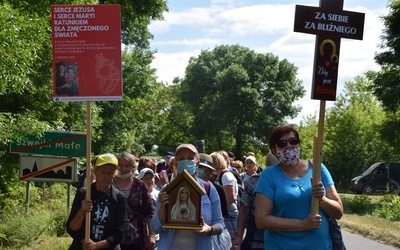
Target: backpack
(239, 183)
(221, 194)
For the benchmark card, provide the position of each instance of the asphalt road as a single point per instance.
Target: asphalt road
(357, 242)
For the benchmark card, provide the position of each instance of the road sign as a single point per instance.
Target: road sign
(52, 143)
(48, 169)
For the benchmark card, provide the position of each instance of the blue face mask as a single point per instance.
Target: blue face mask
(189, 165)
(200, 173)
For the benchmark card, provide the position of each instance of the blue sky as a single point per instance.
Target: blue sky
(264, 26)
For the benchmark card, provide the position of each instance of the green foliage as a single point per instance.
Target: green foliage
(352, 141)
(360, 204)
(386, 86)
(22, 229)
(26, 105)
(47, 214)
(308, 129)
(138, 111)
(389, 208)
(237, 96)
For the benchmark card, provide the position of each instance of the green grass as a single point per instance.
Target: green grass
(372, 228)
(50, 243)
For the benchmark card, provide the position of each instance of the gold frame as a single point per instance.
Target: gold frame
(184, 180)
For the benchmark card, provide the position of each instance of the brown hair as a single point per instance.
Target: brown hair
(277, 134)
(238, 164)
(146, 162)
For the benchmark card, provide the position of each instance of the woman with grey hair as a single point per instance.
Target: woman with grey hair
(140, 205)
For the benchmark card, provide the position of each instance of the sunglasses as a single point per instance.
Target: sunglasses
(292, 141)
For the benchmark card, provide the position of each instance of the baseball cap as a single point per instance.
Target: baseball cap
(206, 161)
(145, 171)
(104, 159)
(251, 158)
(169, 154)
(191, 147)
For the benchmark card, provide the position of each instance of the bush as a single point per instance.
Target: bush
(389, 208)
(46, 216)
(360, 204)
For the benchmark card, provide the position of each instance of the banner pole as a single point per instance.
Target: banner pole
(88, 167)
(317, 155)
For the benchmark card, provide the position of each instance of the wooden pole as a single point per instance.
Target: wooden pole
(88, 167)
(317, 155)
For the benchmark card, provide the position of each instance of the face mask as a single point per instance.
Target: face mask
(289, 156)
(200, 173)
(124, 176)
(189, 165)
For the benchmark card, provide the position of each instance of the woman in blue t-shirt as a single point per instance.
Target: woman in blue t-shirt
(284, 194)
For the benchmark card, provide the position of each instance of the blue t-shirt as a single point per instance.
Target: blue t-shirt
(292, 199)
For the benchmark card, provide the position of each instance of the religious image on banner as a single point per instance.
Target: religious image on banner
(66, 78)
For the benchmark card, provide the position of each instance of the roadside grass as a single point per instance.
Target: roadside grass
(373, 228)
(50, 243)
(358, 218)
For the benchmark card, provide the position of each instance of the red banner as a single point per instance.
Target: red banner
(86, 52)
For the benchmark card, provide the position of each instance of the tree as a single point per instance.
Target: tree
(237, 96)
(352, 136)
(386, 86)
(132, 118)
(26, 105)
(308, 129)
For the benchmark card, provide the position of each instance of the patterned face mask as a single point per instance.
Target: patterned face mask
(289, 156)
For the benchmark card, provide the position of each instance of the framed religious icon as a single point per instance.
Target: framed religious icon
(184, 208)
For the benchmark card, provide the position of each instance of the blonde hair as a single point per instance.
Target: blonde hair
(219, 162)
(237, 164)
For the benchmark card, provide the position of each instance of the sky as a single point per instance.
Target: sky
(265, 27)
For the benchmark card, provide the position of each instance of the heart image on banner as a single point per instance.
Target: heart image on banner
(327, 63)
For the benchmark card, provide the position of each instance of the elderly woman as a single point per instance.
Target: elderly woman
(251, 167)
(107, 208)
(140, 205)
(226, 178)
(284, 194)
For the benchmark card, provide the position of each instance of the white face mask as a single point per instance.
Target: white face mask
(124, 176)
(289, 156)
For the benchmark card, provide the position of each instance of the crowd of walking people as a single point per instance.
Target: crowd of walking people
(130, 205)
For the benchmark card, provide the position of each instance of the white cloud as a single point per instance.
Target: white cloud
(189, 42)
(267, 28)
(171, 65)
(256, 19)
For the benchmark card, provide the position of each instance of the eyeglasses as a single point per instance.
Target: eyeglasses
(292, 141)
